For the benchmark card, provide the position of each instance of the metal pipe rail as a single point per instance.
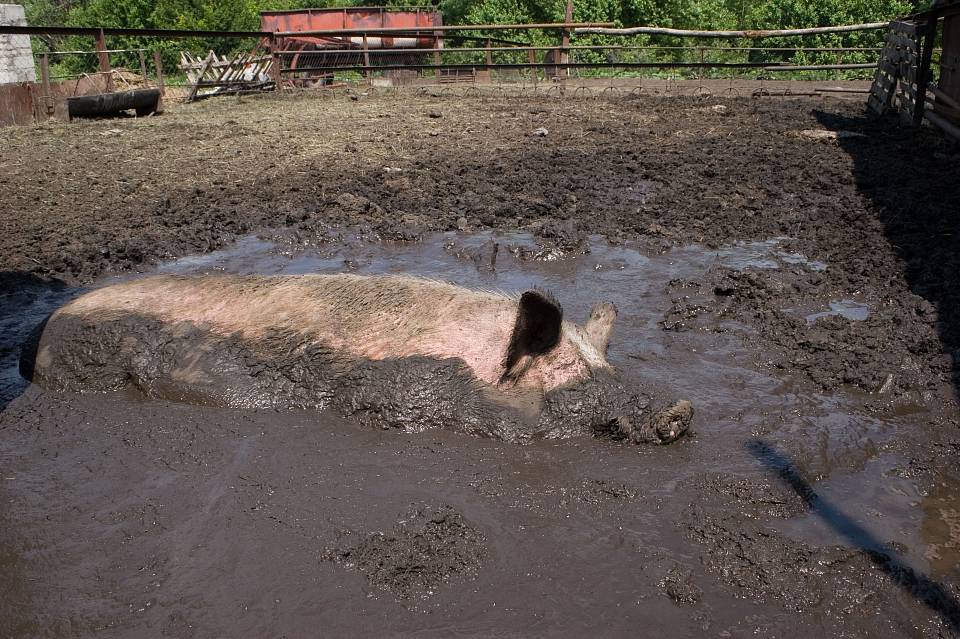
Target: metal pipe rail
(534, 65)
(92, 52)
(585, 47)
(745, 33)
(95, 32)
(820, 67)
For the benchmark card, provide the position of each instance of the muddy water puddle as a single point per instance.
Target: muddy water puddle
(716, 369)
(564, 524)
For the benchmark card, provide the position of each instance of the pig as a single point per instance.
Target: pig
(392, 351)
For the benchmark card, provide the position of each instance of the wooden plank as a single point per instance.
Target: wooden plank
(221, 76)
(906, 42)
(923, 74)
(949, 82)
(196, 84)
(909, 28)
(947, 127)
(158, 69)
(875, 105)
(943, 109)
(885, 82)
(943, 97)
(236, 66)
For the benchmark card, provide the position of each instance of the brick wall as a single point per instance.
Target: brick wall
(16, 57)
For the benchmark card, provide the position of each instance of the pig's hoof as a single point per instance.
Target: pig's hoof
(666, 425)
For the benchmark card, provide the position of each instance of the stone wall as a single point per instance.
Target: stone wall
(16, 57)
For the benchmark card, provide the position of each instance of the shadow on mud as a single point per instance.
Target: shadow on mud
(25, 302)
(919, 586)
(909, 176)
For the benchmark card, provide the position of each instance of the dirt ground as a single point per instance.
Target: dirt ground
(826, 508)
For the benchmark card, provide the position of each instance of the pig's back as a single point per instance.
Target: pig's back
(375, 317)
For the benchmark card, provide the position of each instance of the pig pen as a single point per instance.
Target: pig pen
(798, 287)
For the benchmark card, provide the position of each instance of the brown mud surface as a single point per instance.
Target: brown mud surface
(802, 291)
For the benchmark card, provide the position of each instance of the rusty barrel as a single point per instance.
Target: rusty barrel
(144, 101)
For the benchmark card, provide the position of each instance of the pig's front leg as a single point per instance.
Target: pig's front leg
(604, 407)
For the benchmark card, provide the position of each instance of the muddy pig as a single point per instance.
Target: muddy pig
(393, 351)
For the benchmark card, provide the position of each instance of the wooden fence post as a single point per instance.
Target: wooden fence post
(532, 58)
(143, 65)
(437, 43)
(366, 57)
(565, 41)
(158, 63)
(276, 69)
(48, 106)
(923, 71)
(104, 60)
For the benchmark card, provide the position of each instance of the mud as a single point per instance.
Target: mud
(425, 549)
(817, 498)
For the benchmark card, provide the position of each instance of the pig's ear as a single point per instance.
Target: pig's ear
(600, 325)
(536, 331)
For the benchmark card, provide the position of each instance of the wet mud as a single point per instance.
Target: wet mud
(772, 279)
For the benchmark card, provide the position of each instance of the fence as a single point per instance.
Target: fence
(482, 57)
(24, 103)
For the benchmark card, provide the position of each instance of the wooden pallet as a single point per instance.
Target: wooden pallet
(215, 74)
(894, 83)
(456, 76)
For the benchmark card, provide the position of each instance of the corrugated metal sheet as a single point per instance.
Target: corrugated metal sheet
(25, 102)
(16, 103)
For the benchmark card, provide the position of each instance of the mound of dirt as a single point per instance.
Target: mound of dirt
(426, 548)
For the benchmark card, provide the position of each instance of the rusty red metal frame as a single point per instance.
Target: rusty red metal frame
(300, 30)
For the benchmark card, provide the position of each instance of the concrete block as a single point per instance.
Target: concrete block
(16, 55)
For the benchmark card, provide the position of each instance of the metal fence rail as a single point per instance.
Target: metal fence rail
(480, 55)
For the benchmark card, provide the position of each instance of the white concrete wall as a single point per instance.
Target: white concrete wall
(16, 57)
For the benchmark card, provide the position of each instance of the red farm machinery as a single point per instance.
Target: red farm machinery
(315, 43)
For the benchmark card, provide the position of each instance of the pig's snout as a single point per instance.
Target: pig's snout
(662, 427)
